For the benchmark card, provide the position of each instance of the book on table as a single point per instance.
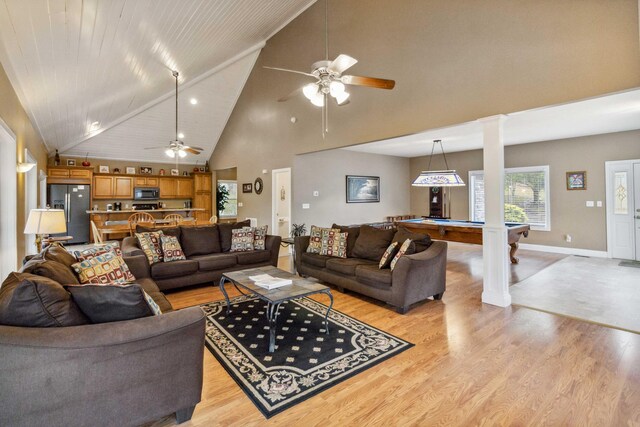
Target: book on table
(269, 282)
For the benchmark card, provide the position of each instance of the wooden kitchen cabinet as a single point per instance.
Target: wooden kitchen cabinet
(112, 187)
(184, 188)
(202, 182)
(69, 175)
(141, 181)
(102, 187)
(168, 188)
(122, 187)
(202, 196)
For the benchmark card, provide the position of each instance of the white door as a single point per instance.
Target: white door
(281, 202)
(636, 192)
(621, 234)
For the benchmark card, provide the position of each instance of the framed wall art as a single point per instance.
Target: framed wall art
(131, 170)
(577, 180)
(145, 170)
(103, 169)
(247, 188)
(71, 162)
(363, 189)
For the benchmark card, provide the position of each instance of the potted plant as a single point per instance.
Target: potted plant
(222, 196)
(298, 230)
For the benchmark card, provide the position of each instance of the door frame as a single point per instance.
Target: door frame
(8, 200)
(609, 200)
(274, 200)
(30, 195)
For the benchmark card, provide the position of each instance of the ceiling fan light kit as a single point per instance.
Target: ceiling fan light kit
(441, 178)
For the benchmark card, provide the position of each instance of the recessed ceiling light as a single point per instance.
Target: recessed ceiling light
(95, 125)
(181, 135)
(193, 101)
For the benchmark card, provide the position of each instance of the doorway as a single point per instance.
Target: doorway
(281, 203)
(623, 209)
(8, 201)
(30, 199)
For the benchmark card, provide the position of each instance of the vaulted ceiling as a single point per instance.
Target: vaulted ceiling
(95, 76)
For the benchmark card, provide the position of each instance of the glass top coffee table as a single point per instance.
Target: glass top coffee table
(274, 297)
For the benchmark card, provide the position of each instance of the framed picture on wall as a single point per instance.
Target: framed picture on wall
(363, 189)
(145, 170)
(175, 172)
(577, 180)
(247, 187)
(103, 169)
(131, 170)
(71, 162)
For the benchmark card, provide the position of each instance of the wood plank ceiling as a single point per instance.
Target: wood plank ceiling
(83, 68)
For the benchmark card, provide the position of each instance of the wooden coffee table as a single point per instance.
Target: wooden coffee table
(274, 297)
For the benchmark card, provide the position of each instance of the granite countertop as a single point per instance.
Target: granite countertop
(146, 210)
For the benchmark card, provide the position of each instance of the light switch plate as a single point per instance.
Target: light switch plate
(599, 203)
(590, 203)
(316, 193)
(305, 206)
(240, 204)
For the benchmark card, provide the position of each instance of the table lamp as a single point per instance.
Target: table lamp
(43, 222)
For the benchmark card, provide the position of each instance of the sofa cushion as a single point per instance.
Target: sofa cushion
(36, 301)
(242, 239)
(253, 257)
(225, 233)
(165, 270)
(373, 276)
(334, 243)
(347, 265)
(171, 249)
(169, 231)
(101, 250)
(56, 252)
(53, 270)
(354, 232)
(372, 242)
(215, 261)
(200, 240)
(316, 260)
(422, 241)
(111, 303)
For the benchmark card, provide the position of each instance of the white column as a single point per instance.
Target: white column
(494, 233)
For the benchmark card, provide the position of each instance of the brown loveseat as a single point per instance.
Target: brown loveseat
(122, 373)
(207, 249)
(414, 278)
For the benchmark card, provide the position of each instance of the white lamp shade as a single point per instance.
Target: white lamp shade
(438, 179)
(342, 97)
(318, 100)
(46, 221)
(336, 88)
(169, 152)
(310, 91)
(182, 153)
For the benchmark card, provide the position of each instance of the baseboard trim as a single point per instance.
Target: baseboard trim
(563, 250)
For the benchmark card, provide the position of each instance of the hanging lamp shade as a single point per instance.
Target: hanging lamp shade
(441, 178)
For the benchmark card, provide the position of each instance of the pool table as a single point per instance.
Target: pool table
(464, 231)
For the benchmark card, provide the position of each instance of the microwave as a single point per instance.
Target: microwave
(146, 193)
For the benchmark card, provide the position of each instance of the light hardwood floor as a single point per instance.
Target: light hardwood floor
(473, 364)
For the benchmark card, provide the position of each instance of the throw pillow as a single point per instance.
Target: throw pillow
(422, 241)
(315, 240)
(372, 242)
(51, 269)
(111, 303)
(102, 269)
(389, 255)
(334, 243)
(101, 250)
(225, 230)
(242, 239)
(202, 240)
(171, 249)
(153, 305)
(405, 249)
(354, 232)
(260, 238)
(149, 242)
(36, 301)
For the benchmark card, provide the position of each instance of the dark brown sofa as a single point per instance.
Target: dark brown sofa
(122, 373)
(207, 249)
(415, 277)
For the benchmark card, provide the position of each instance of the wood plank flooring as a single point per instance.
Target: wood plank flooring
(473, 364)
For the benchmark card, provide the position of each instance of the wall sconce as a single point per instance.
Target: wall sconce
(24, 167)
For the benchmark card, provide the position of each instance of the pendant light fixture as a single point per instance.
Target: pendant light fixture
(441, 178)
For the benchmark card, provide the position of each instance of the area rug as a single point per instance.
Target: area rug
(306, 360)
(595, 290)
(635, 264)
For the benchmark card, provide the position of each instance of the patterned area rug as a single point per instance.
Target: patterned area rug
(306, 361)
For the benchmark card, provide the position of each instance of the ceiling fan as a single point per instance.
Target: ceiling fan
(330, 82)
(177, 149)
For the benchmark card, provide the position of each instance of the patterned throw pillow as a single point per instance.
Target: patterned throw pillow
(102, 269)
(389, 255)
(334, 243)
(150, 244)
(260, 237)
(155, 308)
(315, 240)
(242, 239)
(95, 251)
(171, 249)
(403, 249)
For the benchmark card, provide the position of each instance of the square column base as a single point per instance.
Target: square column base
(495, 266)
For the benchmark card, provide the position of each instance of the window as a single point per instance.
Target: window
(231, 206)
(526, 196)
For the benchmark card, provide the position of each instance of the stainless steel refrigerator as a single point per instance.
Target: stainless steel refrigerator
(75, 200)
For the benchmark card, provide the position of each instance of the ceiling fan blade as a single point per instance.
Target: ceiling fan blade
(368, 81)
(155, 148)
(191, 150)
(291, 95)
(195, 148)
(342, 63)
(289, 71)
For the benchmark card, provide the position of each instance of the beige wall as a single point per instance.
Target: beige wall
(16, 118)
(569, 215)
(453, 62)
